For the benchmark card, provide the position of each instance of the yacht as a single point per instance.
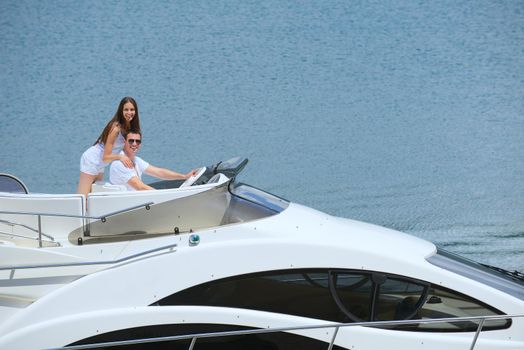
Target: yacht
(214, 263)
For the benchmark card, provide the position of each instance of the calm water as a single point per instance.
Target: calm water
(404, 114)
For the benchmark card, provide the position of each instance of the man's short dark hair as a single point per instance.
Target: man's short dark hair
(132, 131)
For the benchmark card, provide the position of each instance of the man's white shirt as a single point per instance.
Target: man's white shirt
(119, 174)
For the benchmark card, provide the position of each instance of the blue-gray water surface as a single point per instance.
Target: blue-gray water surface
(406, 114)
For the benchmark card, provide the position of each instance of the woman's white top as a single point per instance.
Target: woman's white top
(92, 160)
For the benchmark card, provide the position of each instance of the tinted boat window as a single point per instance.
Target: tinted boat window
(375, 297)
(443, 303)
(301, 294)
(341, 296)
(398, 299)
(355, 292)
(378, 297)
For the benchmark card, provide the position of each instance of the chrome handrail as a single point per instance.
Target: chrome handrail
(39, 215)
(337, 326)
(84, 263)
(52, 240)
(101, 217)
(11, 223)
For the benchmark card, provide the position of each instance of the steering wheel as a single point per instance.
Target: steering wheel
(194, 178)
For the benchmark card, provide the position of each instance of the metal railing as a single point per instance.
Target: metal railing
(39, 215)
(376, 324)
(11, 223)
(88, 263)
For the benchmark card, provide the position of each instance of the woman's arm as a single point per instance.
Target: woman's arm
(108, 149)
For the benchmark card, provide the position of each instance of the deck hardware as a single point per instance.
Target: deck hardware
(148, 207)
(103, 219)
(80, 241)
(194, 240)
(177, 230)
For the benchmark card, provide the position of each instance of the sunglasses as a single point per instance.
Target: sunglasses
(137, 141)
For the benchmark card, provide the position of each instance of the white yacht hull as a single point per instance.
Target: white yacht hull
(221, 257)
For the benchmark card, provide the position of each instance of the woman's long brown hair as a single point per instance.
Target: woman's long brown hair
(119, 118)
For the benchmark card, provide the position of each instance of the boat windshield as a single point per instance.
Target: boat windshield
(508, 282)
(258, 196)
(225, 204)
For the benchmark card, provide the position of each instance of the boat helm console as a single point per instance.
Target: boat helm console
(229, 168)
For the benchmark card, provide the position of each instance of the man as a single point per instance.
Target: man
(131, 178)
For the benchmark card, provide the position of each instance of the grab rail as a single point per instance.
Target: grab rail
(102, 218)
(337, 326)
(106, 262)
(51, 241)
(11, 223)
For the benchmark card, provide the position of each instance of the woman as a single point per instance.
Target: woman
(108, 145)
